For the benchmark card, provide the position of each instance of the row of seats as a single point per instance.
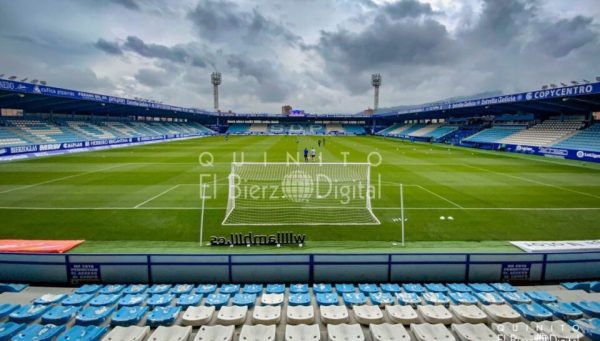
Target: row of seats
(294, 129)
(494, 134)
(587, 139)
(544, 134)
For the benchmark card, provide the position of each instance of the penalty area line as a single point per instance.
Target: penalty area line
(156, 196)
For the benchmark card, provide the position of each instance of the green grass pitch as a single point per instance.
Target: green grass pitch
(150, 195)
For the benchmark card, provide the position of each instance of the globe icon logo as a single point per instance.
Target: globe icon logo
(297, 186)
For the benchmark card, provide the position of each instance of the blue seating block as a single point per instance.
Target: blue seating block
(436, 298)
(381, 298)
(436, 287)
(324, 288)
(465, 298)
(187, 300)
(8, 329)
(60, 315)
(159, 289)
(391, 288)
(482, 287)
(591, 308)
(351, 299)
(7, 308)
(242, 299)
(216, 300)
(503, 287)
(88, 289)
(368, 288)
(327, 298)
(533, 312)
(12, 287)
(182, 289)
(135, 289)
(77, 300)
(589, 327)
(413, 287)
(163, 316)
(128, 316)
(343, 288)
(516, 297)
(541, 296)
(275, 288)
(38, 332)
(229, 289)
(489, 298)
(458, 287)
(255, 289)
(206, 289)
(49, 299)
(81, 333)
(112, 289)
(93, 315)
(564, 310)
(28, 313)
(160, 300)
(104, 300)
(131, 300)
(408, 298)
(299, 299)
(299, 288)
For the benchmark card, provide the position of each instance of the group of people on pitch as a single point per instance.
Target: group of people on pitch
(313, 152)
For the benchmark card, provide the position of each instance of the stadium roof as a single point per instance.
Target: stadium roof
(577, 99)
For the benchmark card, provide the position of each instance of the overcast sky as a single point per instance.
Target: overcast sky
(317, 55)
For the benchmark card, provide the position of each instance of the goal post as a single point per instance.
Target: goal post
(310, 193)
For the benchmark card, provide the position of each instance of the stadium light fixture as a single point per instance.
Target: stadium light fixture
(552, 85)
(586, 81)
(544, 87)
(2, 76)
(598, 78)
(215, 79)
(563, 84)
(43, 82)
(24, 79)
(574, 82)
(12, 78)
(376, 83)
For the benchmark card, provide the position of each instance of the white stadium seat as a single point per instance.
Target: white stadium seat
(272, 299)
(197, 316)
(389, 332)
(258, 332)
(302, 332)
(266, 314)
(232, 315)
(338, 332)
(300, 314)
(132, 333)
(469, 313)
(403, 314)
(172, 333)
(334, 314)
(431, 332)
(215, 333)
(501, 313)
(474, 332)
(367, 314)
(435, 314)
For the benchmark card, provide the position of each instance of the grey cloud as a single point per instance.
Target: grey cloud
(130, 4)
(109, 47)
(561, 38)
(407, 8)
(152, 78)
(503, 21)
(272, 84)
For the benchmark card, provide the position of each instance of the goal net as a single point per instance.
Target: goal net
(299, 194)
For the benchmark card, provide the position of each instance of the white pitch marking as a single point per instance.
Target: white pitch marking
(439, 196)
(107, 208)
(156, 196)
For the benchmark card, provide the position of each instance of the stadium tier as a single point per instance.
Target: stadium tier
(587, 139)
(494, 134)
(294, 129)
(544, 134)
(31, 131)
(323, 311)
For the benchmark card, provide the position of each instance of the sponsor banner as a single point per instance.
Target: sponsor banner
(43, 246)
(558, 246)
(512, 272)
(83, 273)
(562, 153)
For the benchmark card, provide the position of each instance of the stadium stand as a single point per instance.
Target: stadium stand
(552, 309)
(494, 134)
(544, 134)
(586, 139)
(294, 129)
(434, 132)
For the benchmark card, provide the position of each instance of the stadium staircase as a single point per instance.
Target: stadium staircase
(587, 139)
(324, 311)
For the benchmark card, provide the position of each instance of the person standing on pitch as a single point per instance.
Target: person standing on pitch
(305, 154)
(319, 143)
(313, 154)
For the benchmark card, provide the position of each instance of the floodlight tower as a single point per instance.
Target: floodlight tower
(215, 79)
(376, 82)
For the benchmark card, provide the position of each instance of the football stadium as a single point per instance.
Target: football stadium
(157, 184)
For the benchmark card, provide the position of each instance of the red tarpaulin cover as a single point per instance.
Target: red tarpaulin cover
(41, 246)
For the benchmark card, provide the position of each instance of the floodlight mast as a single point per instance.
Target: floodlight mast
(376, 82)
(215, 79)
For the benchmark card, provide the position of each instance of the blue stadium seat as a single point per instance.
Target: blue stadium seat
(37, 332)
(391, 288)
(436, 287)
(159, 289)
(104, 300)
(81, 333)
(503, 287)
(299, 299)
(353, 298)
(436, 298)
(217, 300)
(595, 286)
(77, 299)
(589, 327)
(576, 285)
(481, 287)
(135, 289)
(8, 329)
(465, 298)
(343, 288)
(160, 300)
(93, 315)
(489, 298)
(229, 289)
(187, 300)
(299, 288)
(381, 298)
(131, 300)
(28, 313)
(112, 289)
(49, 299)
(206, 289)
(182, 289)
(128, 316)
(242, 299)
(7, 308)
(590, 308)
(327, 298)
(88, 289)
(368, 288)
(564, 310)
(408, 298)
(533, 312)
(60, 315)
(322, 288)
(253, 289)
(413, 287)
(12, 287)
(541, 296)
(163, 316)
(458, 287)
(275, 288)
(516, 297)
